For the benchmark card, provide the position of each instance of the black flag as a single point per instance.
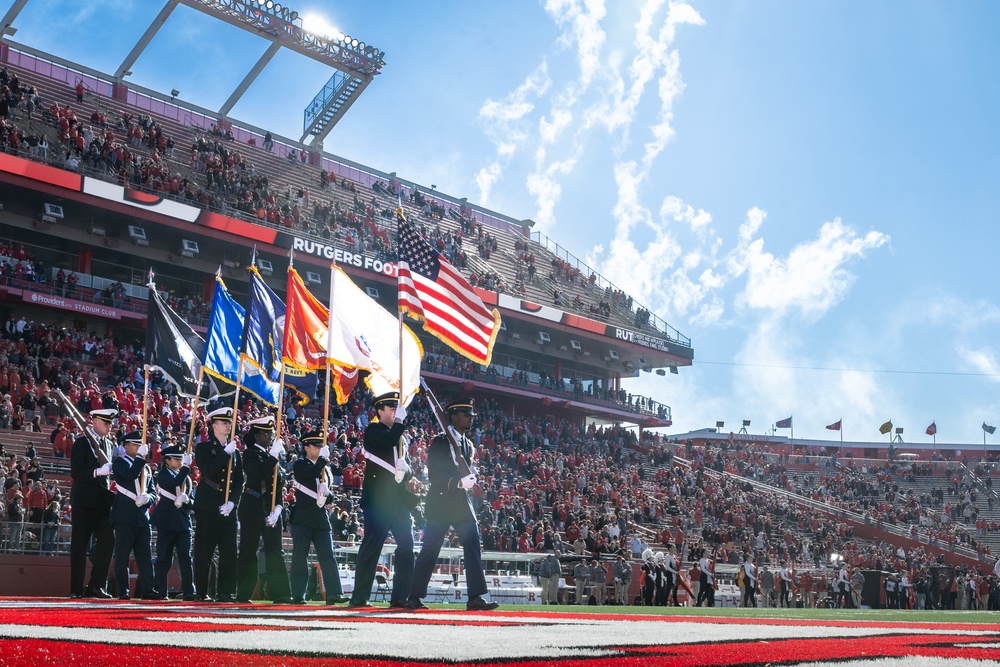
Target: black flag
(175, 349)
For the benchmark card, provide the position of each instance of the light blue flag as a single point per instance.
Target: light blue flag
(222, 347)
(262, 336)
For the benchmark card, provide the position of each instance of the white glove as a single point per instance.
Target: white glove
(143, 450)
(224, 510)
(401, 469)
(230, 447)
(142, 500)
(401, 414)
(182, 498)
(322, 491)
(186, 460)
(467, 482)
(277, 449)
(324, 452)
(103, 471)
(273, 517)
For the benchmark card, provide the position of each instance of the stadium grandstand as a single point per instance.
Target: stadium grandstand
(101, 180)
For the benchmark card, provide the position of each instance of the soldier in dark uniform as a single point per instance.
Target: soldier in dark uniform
(310, 524)
(91, 498)
(448, 506)
(130, 517)
(215, 518)
(385, 505)
(172, 518)
(261, 457)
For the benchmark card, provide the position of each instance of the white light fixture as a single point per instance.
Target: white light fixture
(188, 248)
(138, 236)
(313, 278)
(265, 267)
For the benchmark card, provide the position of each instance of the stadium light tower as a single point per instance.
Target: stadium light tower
(354, 62)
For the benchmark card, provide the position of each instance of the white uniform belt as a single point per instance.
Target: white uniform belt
(306, 490)
(125, 492)
(378, 461)
(165, 494)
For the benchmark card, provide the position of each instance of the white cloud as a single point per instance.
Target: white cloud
(581, 24)
(812, 279)
(983, 360)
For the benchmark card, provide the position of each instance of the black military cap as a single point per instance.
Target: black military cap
(387, 400)
(134, 437)
(174, 451)
(467, 405)
(314, 438)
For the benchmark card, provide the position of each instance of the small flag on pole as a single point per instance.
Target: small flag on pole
(885, 428)
(989, 429)
(835, 426)
(784, 423)
(932, 429)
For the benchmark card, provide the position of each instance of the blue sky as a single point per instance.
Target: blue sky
(795, 186)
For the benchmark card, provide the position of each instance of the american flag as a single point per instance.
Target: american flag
(431, 290)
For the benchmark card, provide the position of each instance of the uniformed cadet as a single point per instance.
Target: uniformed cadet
(448, 506)
(310, 524)
(215, 518)
(91, 498)
(749, 582)
(673, 567)
(261, 456)
(135, 492)
(172, 518)
(385, 505)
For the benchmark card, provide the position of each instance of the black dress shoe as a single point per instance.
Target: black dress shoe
(397, 604)
(227, 597)
(414, 603)
(124, 597)
(283, 601)
(154, 596)
(298, 602)
(76, 596)
(479, 604)
(191, 598)
(337, 599)
(205, 598)
(365, 604)
(242, 601)
(98, 593)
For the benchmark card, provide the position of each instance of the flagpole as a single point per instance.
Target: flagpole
(277, 433)
(145, 400)
(399, 314)
(232, 429)
(194, 410)
(329, 346)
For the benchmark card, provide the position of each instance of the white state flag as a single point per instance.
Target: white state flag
(365, 335)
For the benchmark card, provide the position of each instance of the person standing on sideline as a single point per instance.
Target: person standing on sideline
(549, 573)
(91, 498)
(673, 568)
(385, 505)
(448, 506)
(261, 458)
(749, 582)
(311, 520)
(172, 518)
(135, 492)
(623, 577)
(707, 590)
(221, 467)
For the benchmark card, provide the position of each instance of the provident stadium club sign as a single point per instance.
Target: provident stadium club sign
(82, 307)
